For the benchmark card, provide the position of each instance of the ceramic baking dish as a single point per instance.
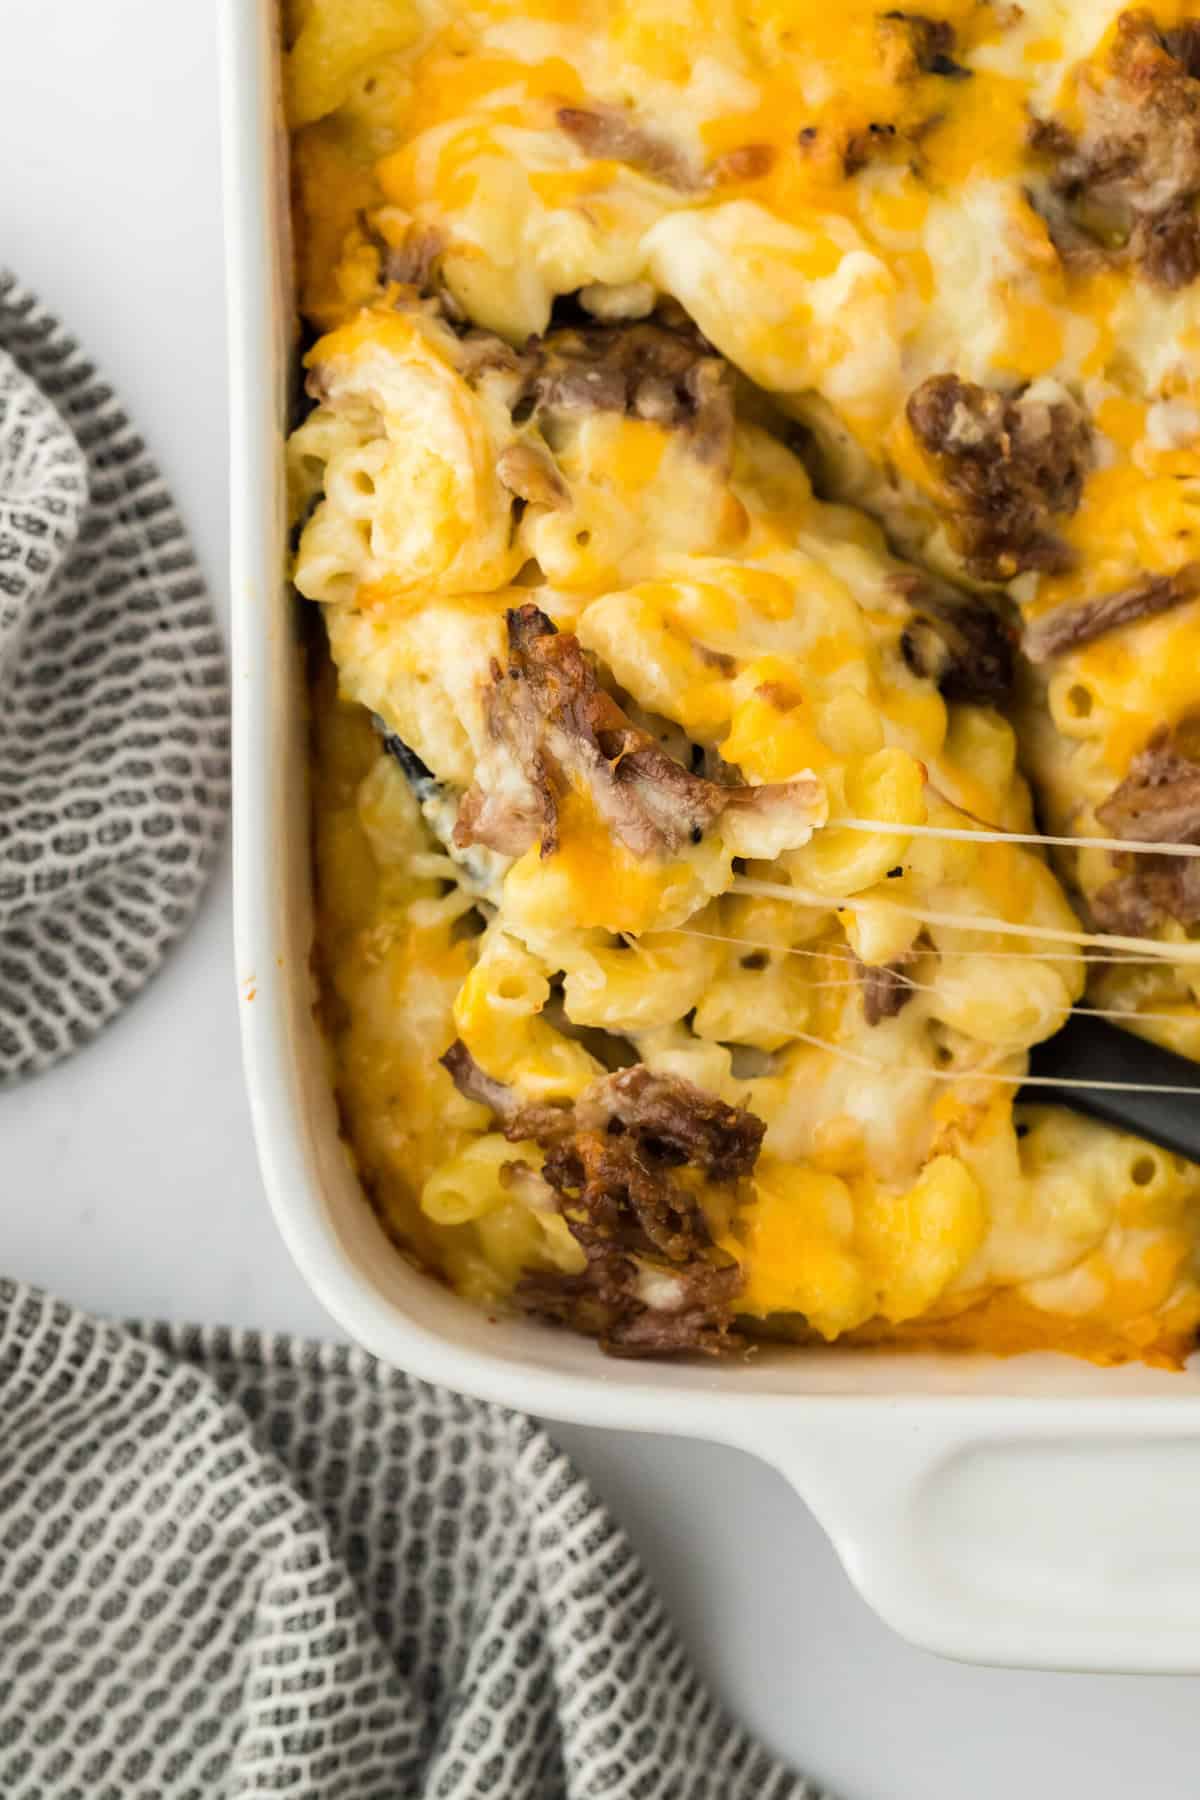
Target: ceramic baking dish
(1034, 1511)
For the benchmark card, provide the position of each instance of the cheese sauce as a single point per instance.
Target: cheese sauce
(638, 611)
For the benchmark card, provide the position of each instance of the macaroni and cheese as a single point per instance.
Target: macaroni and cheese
(749, 445)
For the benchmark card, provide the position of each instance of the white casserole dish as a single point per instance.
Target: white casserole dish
(1036, 1511)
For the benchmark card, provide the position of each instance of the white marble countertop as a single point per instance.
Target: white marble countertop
(128, 1179)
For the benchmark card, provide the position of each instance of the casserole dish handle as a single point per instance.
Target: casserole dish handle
(1069, 1543)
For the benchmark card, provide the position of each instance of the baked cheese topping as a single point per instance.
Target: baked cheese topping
(731, 421)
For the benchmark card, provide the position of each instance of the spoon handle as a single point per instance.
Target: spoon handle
(1091, 1050)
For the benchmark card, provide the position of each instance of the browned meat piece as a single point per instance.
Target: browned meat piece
(653, 1283)
(1050, 138)
(614, 1191)
(706, 411)
(609, 133)
(673, 1120)
(412, 263)
(885, 992)
(410, 271)
(1124, 908)
(1068, 627)
(1159, 803)
(1159, 799)
(1157, 888)
(648, 369)
(536, 1123)
(481, 353)
(963, 643)
(473, 1084)
(671, 377)
(1154, 108)
(1167, 245)
(548, 718)
(603, 1302)
(530, 474)
(521, 804)
(682, 1122)
(1012, 462)
(1126, 188)
(549, 714)
(916, 45)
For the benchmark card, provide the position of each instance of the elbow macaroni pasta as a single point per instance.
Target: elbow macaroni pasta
(513, 223)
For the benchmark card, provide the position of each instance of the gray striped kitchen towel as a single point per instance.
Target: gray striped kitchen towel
(244, 1565)
(114, 777)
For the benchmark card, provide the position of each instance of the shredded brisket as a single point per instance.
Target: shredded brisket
(671, 377)
(548, 718)
(1125, 189)
(1158, 802)
(1069, 627)
(412, 263)
(654, 1283)
(963, 643)
(610, 133)
(679, 1121)
(1012, 462)
(1143, 898)
(885, 992)
(1159, 799)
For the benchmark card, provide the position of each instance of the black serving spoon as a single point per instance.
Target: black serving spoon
(1089, 1049)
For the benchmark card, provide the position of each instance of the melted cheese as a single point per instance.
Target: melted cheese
(845, 208)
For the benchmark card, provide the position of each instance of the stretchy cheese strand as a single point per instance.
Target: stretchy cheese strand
(777, 890)
(961, 835)
(1061, 1083)
(917, 987)
(942, 951)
